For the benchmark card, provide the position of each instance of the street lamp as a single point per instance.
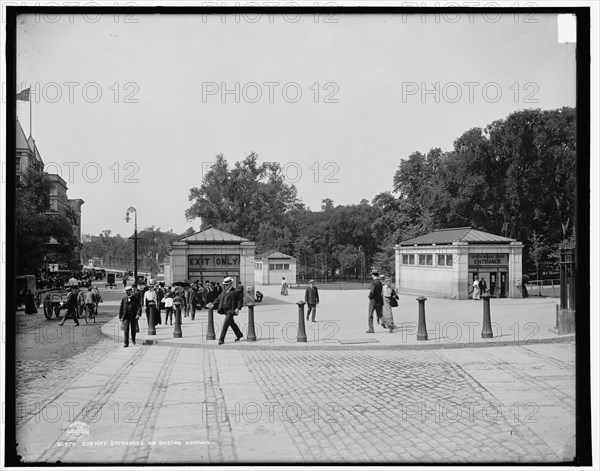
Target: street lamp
(135, 257)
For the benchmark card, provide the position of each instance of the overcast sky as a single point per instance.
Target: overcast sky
(338, 101)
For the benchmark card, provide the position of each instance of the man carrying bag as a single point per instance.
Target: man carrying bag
(229, 304)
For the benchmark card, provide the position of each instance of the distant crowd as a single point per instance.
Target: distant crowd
(83, 279)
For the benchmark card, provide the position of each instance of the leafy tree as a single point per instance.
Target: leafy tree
(240, 199)
(326, 204)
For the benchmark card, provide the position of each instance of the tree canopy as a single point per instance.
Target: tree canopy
(514, 177)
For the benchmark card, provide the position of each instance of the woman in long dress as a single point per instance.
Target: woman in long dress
(387, 319)
(30, 307)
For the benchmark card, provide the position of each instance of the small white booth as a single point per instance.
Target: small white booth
(444, 264)
(270, 267)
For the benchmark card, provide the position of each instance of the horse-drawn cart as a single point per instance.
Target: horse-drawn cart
(52, 302)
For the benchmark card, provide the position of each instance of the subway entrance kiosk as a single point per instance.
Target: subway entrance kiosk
(444, 264)
(211, 255)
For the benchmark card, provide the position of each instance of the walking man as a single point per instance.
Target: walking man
(229, 303)
(90, 305)
(375, 301)
(70, 305)
(482, 286)
(129, 313)
(311, 297)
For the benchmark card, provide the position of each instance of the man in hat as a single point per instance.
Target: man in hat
(70, 305)
(311, 298)
(229, 303)
(375, 301)
(129, 313)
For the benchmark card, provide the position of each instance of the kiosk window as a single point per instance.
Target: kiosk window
(444, 260)
(425, 259)
(408, 259)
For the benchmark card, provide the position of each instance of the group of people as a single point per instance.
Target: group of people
(382, 297)
(82, 280)
(479, 287)
(227, 298)
(80, 303)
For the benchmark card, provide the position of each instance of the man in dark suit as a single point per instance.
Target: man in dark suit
(229, 303)
(311, 298)
(70, 305)
(129, 312)
(375, 300)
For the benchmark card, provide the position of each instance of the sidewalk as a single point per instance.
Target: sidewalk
(342, 324)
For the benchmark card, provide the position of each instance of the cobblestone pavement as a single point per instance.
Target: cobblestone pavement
(415, 406)
(148, 404)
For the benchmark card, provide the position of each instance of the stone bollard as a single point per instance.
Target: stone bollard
(210, 333)
(151, 319)
(177, 334)
(251, 335)
(422, 330)
(301, 337)
(486, 331)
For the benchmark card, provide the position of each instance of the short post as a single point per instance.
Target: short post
(151, 319)
(486, 331)
(301, 337)
(210, 334)
(251, 336)
(177, 334)
(422, 330)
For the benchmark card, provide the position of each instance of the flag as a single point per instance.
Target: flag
(24, 94)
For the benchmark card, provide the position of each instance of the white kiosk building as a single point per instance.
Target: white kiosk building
(444, 264)
(270, 267)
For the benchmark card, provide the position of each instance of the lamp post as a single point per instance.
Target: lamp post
(133, 210)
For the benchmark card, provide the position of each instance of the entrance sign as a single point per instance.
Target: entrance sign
(488, 259)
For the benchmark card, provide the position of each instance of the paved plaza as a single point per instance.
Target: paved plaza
(342, 323)
(276, 400)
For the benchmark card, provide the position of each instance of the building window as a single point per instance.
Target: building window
(279, 266)
(286, 266)
(425, 259)
(444, 260)
(271, 266)
(408, 259)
